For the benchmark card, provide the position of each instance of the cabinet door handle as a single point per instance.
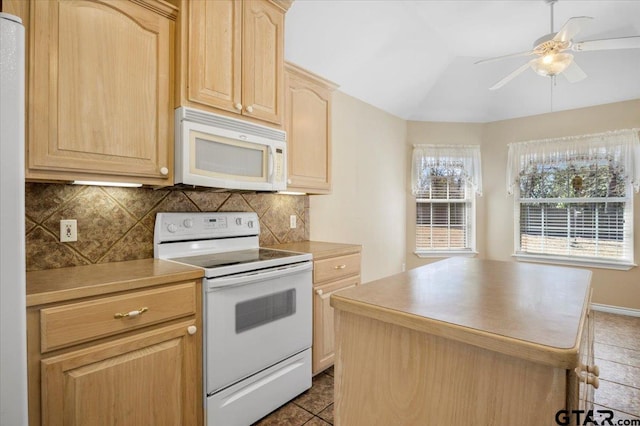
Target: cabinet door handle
(164, 171)
(340, 266)
(192, 329)
(593, 369)
(131, 314)
(589, 379)
(593, 381)
(319, 292)
(249, 109)
(238, 106)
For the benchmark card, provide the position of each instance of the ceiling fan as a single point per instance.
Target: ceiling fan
(550, 51)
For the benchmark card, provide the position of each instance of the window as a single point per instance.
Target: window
(445, 180)
(574, 198)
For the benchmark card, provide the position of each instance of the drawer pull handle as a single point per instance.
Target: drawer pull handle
(340, 266)
(131, 314)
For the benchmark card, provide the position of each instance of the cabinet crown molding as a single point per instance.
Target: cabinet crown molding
(294, 69)
(283, 4)
(161, 7)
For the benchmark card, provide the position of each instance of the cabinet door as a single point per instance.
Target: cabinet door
(100, 100)
(308, 132)
(263, 61)
(215, 46)
(151, 378)
(322, 352)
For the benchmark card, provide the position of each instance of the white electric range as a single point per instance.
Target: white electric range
(257, 312)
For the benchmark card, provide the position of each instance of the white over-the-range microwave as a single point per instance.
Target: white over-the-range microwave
(221, 152)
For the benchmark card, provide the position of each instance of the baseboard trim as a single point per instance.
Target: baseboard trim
(615, 310)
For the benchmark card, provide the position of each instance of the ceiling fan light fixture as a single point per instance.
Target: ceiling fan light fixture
(552, 64)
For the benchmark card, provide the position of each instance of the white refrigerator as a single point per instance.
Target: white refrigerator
(13, 324)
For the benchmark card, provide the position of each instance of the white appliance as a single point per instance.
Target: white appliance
(13, 330)
(257, 312)
(220, 152)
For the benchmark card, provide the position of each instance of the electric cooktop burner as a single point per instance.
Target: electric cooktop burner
(217, 260)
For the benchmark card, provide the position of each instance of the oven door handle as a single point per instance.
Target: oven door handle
(251, 277)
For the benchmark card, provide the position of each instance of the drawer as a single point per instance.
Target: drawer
(74, 323)
(335, 268)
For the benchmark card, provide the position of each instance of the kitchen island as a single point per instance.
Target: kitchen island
(465, 341)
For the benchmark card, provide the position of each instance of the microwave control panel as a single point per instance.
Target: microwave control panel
(279, 166)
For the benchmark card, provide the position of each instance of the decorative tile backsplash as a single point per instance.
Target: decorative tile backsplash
(116, 224)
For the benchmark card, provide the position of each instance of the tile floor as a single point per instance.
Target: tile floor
(617, 352)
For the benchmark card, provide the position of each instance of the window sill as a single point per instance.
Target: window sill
(569, 261)
(446, 253)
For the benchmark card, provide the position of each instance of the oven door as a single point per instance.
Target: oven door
(254, 320)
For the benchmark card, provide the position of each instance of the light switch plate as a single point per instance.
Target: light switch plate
(68, 230)
(293, 219)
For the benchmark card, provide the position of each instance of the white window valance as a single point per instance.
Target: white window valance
(619, 146)
(454, 160)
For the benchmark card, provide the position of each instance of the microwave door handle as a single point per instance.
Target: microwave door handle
(271, 160)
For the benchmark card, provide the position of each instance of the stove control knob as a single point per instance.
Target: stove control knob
(172, 227)
(238, 221)
(250, 224)
(188, 223)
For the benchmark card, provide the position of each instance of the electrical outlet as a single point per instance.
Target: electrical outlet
(293, 221)
(68, 230)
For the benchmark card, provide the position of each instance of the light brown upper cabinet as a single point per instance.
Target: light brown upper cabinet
(232, 56)
(100, 90)
(308, 126)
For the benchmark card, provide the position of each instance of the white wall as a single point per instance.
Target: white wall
(367, 202)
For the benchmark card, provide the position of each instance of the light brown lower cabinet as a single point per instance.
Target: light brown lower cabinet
(142, 379)
(323, 336)
(330, 275)
(131, 355)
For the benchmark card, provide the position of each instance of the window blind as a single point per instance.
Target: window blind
(443, 216)
(574, 196)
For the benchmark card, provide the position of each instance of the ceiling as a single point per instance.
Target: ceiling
(415, 59)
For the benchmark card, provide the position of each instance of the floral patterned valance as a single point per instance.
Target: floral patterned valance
(448, 160)
(619, 147)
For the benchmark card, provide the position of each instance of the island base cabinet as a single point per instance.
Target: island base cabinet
(139, 380)
(387, 374)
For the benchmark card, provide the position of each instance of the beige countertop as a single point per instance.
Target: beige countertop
(320, 249)
(535, 311)
(54, 285)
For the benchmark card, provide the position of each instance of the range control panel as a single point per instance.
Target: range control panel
(204, 225)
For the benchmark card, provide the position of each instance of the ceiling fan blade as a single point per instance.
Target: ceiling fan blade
(497, 58)
(573, 73)
(571, 28)
(632, 42)
(510, 76)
